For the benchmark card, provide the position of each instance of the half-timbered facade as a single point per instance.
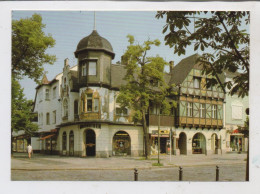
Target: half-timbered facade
(196, 124)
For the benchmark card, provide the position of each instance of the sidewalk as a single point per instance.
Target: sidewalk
(20, 161)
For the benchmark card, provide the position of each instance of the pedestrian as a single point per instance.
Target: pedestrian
(30, 151)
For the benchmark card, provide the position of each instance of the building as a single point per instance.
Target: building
(196, 124)
(235, 118)
(78, 114)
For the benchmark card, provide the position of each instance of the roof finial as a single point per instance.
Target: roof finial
(94, 20)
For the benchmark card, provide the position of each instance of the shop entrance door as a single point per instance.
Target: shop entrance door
(90, 143)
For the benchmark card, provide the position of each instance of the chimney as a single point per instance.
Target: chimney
(66, 62)
(171, 66)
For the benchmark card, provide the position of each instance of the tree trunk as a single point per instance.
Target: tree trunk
(146, 136)
(247, 162)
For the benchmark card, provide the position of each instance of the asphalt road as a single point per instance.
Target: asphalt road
(234, 172)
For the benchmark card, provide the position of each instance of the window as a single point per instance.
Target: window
(196, 82)
(84, 70)
(237, 112)
(89, 102)
(96, 105)
(65, 108)
(64, 141)
(54, 117)
(214, 111)
(189, 109)
(54, 92)
(202, 111)
(47, 118)
(92, 68)
(47, 96)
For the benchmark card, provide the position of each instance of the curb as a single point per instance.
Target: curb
(127, 168)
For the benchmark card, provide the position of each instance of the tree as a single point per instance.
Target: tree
(145, 84)
(29, 45)
(21, 110)
(222, 38)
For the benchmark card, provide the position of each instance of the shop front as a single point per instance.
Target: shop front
(237, 141)
(164, 141)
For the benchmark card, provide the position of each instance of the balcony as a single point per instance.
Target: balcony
(165, 120)
(199, 122)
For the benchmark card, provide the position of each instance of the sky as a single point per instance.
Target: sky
(69, 27)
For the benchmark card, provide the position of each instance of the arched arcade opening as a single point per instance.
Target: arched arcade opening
(199, 144)
(121, 144)
(182, 143)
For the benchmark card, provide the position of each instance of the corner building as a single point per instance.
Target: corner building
(91, 122)
(78, 114)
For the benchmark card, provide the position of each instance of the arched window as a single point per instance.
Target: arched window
(71, 143)
(64, 141)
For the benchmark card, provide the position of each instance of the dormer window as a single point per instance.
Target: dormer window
(92, 68)
(196, 82)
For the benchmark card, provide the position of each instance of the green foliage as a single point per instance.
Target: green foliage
(145, 83)
(219, 32)
(21, 110)
(29, 45)
(145, 80)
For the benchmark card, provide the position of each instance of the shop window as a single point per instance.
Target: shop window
(92, 68)
(214, 111)
(64, 141)
(196, 82)
(202, 110)
(189, 109)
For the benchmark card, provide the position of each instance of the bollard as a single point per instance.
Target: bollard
(217, 173)
(180, 174)
(136, 174)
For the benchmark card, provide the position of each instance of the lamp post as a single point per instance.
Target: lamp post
(159, 120)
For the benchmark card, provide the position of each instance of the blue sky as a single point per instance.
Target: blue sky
(69, 27)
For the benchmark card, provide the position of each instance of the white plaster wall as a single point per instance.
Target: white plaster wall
(135, 133)
(48, 106)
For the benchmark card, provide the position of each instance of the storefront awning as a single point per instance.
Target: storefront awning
(47, 137)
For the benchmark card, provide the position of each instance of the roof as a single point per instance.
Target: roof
(182, 69)
(118, 73)
(94, 42)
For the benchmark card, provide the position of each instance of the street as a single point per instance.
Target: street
(196, 173)
(232, 167)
